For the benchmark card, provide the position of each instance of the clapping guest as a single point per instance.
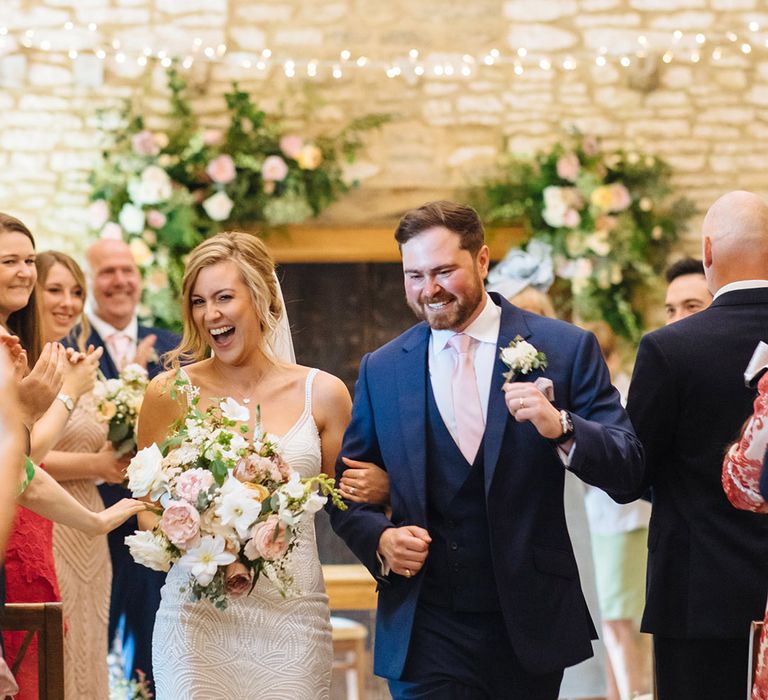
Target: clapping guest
(81, 456)
(115, 285)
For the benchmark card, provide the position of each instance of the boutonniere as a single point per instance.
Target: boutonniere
(522, 358)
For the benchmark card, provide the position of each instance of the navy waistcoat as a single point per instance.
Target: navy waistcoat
(459, 570)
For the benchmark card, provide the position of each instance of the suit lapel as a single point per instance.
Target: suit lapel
(512, 324)
(106, 363)
(412, 392)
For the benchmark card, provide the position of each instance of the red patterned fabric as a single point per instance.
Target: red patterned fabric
(30, 578)
(741, 481)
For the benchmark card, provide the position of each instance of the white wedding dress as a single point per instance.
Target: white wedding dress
(263, 645)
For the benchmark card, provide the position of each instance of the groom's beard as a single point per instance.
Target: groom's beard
(454, 315)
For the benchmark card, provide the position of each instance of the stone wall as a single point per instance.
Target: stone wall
(707, 118)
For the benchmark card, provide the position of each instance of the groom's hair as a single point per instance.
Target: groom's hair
(460, 219)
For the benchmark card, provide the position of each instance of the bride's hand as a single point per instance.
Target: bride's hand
(364, 482)
(114, 516)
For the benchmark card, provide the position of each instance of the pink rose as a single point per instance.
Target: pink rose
(568, 167)
(212, 137)
(571, 218)
(268, 540)
(156, 219)
(291, 145)
(620, 196)
(238, 579)
(191, 483)
(181, 524)
(98, 213)
(274, 169)
(145, 144)
(222, 169)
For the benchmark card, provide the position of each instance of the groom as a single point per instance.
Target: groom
(479, 593)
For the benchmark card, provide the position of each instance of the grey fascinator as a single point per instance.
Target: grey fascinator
(523, 268)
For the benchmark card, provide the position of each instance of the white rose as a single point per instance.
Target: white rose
(519, 357)
(134, 373)
(131, 218)
(153, 187)
(149, 550)
(146, 475)
(218, 206)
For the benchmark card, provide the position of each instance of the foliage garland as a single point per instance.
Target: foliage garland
(166, 191)
(609, 217)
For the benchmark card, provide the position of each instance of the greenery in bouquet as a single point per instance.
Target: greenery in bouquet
(609, 216)
(118, 402)
(165, 191)
(230, 507)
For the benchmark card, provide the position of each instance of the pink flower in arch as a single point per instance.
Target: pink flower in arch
(222, 169)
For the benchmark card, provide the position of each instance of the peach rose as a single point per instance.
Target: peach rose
(238, 579)
(181, 524)
(268, 540)
(309, 157)
(568, 167)
(145, 144)
(222, 169)
(212, 137)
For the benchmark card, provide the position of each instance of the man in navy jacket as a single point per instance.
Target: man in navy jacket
(115, 284)
(479, 593)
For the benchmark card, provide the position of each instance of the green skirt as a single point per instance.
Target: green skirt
(620, 563)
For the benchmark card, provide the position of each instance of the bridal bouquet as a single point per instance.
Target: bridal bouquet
(118, 402)
(230, 508)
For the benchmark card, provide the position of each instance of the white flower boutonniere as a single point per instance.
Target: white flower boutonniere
(522, 358)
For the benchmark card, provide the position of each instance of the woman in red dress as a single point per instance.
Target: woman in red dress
(741, 481)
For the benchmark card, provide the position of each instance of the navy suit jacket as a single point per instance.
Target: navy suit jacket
(166, 341)
(707, 561)
(534, 566)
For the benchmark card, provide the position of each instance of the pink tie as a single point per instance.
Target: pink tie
(466, 398)
(119, 345)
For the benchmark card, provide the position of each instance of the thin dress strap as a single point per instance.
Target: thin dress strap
(308, 390)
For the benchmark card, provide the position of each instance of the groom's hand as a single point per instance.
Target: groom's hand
(404, 549)
(527, 403)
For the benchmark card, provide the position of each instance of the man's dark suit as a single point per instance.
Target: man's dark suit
(708, 562)
(533, 572)
(135, 588)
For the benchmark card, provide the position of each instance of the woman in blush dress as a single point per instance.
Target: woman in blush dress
(741, 481)
(81, 456)
(263, 645)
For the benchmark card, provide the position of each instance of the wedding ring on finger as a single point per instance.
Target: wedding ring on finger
(522, 402)
(408, 573)
(352, 490)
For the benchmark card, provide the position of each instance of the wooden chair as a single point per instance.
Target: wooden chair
(756, 629)
(350, 587)
(45, 620)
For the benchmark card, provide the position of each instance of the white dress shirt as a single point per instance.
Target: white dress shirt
(485, 331)
(740, 284)
(105, 330)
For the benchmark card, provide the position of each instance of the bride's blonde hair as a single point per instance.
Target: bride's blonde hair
(257, 271)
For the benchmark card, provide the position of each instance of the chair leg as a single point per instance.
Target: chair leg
(361, 668)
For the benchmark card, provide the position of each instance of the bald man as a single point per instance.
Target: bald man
(708, 562)
(114, 281)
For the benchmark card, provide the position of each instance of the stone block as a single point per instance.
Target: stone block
(36, 17)
(541, 37)
(731, 5)
(113, 15)
(658, 127)
(758, 95)
(677, 77)
(477, 103)
(263, 13)
(307, 36)
(714, 132)
(666, 5)
(202, 20)
(175, 7)
(684, 21)
(540, 11)
(472, 155)
(725, 115)
(629, 19)
(620, 40)
(598, 5)
(248, 38)
(604, 75)
(68, 161)
(47, 75)
(687, 163)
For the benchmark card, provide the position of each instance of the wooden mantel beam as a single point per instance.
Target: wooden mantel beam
(313, 243)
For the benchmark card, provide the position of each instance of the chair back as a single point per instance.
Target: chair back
(46, 621)
(755, 631)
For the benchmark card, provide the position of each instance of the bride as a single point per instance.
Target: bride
(262, 645)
